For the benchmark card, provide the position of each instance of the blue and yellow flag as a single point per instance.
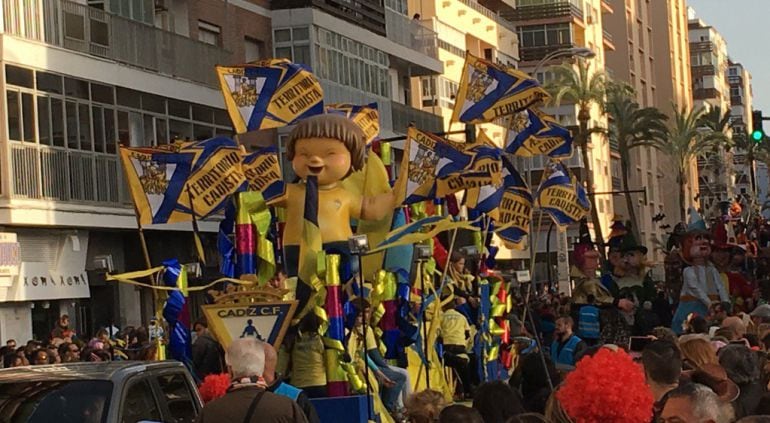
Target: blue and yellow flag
(269, 94)
(217, 173)
(311, 256)
(263, 173)
(156, 179)
(367, 117)
(532, 132)
(489, 91)
(430, 166)
(515, 209)
(562, 196)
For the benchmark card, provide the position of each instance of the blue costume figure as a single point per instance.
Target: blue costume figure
(251, 331)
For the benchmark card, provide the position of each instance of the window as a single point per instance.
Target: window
(76, 88)
(49, 82)
(14, 115)
(544, 35)
(18, 76)
(253, 49)
(178, 397)
(209, 33)
(56, 400)
(139, 404)
(44, 120)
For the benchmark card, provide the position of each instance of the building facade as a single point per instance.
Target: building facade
(673, 88)
(632, 62)
(739, 79)
(78, 80)
(711, 91)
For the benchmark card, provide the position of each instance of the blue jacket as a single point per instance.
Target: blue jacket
(588, 322)
(565, 355)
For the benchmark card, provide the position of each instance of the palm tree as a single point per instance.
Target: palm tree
(685, 141)
(717, 121)
(576, 84)
(631, 126)
(742, 141)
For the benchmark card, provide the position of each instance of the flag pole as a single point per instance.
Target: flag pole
(196, 231)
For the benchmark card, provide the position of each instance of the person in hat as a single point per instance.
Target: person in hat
(702, 286)
(723, 252)
(583, 273)
(636, 285)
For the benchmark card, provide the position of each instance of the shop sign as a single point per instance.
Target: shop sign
(10, 254)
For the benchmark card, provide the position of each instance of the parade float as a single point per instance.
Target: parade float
(361, 221)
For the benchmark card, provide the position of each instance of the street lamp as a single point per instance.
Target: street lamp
(584, 52)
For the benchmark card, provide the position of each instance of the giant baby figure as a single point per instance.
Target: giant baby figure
(324, 150)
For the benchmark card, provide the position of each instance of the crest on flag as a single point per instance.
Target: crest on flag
(367, 117)
(489, 91)
(427, 159)
(156, 179)
(561, 196)
(269, 94)
(533, 132)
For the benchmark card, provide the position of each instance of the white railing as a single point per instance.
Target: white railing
(411, 33)
(57, 174)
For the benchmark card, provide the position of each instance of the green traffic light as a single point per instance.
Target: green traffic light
(757, 136)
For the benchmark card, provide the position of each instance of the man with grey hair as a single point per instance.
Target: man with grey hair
(695, 403)
(247, 400)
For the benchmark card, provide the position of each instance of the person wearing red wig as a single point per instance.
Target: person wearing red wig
(608, 388)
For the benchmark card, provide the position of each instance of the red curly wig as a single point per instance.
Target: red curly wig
(608, 387)
(214, 386)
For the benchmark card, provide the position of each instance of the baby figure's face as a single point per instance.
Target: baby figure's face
(326, 158)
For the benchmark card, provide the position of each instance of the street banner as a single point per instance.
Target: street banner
(367, 117)
(269, 94)
(533, 132)
(561, 196)
(428, 159)
(489, 91)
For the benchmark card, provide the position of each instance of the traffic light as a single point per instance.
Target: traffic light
(757, 133)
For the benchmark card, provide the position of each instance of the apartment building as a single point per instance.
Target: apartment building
(739, 79)
(546, 27)
(711, 90)
(633, 62)
(672, 88)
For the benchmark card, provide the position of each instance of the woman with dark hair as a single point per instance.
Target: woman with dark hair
(497, 402)
(742, 367)
(531, 380)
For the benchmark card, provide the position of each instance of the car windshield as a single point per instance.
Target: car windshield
(59, 401)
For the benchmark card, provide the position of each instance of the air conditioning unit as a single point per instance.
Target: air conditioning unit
(103, 263)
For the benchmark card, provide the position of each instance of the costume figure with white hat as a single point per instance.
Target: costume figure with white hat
(702, 286)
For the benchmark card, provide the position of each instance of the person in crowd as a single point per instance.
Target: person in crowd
(247, 400)
(458, 413)
(588, 322)
(567, 348)
(497, 402)
(206, 351)
(63, 330)
(455, 333)
(307, 357)
(530, 378)
(693, 402)
(742, 367)
(53, 355)
(646, 320)
(697, 352)
(425, 406)
(585, 394)
(40, 357)
(276, 385)
(735, 324)
(662, 362)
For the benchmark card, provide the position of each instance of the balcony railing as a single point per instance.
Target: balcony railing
(411, 33)
(617, 184)
(47, 173)
(545, 11)
(369, 14)
(489, 13)
(89, 30)
(607, 36)
(404, 115)
(533, 54)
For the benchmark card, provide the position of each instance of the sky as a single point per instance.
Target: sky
(744, 26)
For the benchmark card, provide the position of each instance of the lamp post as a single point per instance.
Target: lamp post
(583, 52)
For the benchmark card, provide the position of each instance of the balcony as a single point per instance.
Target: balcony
(699, 71)
(404, 115)
(478, 7)
(701, 46)
(706, 94)
(608, 41)
(533, 54)
(411, 33)
(55, 174)
(545, 11)
(369, 14)
(617, 184)
(92, 31)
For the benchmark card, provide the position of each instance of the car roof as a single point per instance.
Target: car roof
(84, 371)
